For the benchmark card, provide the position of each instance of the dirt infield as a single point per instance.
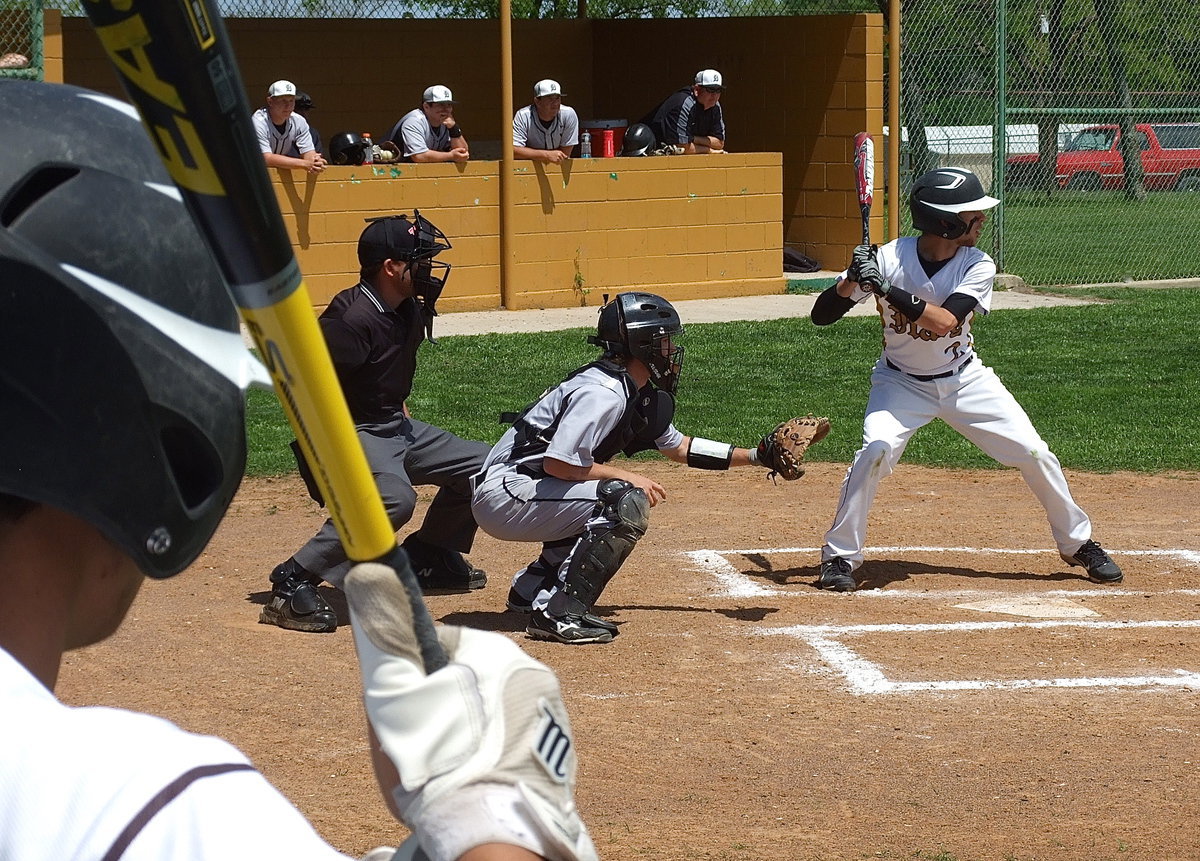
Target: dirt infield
(743, 714)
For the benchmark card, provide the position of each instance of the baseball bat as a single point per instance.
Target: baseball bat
(175, 61)
(864, 180)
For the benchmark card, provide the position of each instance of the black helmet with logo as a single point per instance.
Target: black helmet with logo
(940, 195)
(123, 366)
(639, 140)
(643, 326)
(347, 148)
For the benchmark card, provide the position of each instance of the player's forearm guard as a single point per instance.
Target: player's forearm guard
(709, 454)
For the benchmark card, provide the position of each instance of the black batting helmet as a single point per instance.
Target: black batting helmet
(122, 368)
(639, 140)
(940, 195)
(643, 326)
(347, 148)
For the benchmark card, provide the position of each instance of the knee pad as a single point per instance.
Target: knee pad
(622, 516)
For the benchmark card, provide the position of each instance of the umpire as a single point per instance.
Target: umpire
(373, 330)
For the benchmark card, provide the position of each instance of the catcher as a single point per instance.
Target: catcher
(549, 479)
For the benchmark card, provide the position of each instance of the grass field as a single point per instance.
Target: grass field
(1081, 237)
(1109, 386)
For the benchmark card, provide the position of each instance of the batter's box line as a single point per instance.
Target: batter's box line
(866, 678)
(735, 584)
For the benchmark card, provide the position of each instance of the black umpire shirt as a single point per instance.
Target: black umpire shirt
(681, 118)
(374, 350)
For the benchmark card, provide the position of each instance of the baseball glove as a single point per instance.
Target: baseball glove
(782, 450)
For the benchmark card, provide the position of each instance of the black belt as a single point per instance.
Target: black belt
(925, 378)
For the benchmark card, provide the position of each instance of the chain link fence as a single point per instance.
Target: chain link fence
(1098, 161)
(21, 39)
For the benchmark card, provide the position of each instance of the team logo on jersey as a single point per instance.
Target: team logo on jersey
(552, 745)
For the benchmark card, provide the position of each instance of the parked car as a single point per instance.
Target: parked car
(1091, 159)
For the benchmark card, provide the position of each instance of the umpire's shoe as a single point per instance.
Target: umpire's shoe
(1099, 565)
(295, 602)
(836, 576)
(440, 569)
(569, 628)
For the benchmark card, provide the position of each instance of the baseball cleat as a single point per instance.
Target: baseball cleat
(517, 604)
(295, 603)
(836, 576)
(1099, 565)
(440, 569)
(570, 629)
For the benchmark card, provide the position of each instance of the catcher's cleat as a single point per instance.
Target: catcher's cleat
(836, 576)
(295, 602)
(517, 604)
(1099, 565)
(570, 629)
(440, 569)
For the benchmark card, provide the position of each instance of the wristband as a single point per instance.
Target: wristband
(456, 132)
(752, 456)
(708, 454)
(903, 301)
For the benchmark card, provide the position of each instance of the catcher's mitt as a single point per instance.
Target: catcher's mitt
(782, 450)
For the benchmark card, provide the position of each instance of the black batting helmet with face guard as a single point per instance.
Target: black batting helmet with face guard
(643, 326)
(940, 195)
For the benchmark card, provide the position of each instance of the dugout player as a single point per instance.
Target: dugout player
(690, 120)
(124, 441)
(373, 331)
(430, 133)
(281, 131)
(549, 478)
(928, 289)
(546, 130)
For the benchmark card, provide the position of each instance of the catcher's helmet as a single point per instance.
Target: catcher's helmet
(347, 148)
(639, 140)
(643, 326)
(122, 369)
(939, 195)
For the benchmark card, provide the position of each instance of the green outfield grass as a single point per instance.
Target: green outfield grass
(1110, 386)
(1081, 237)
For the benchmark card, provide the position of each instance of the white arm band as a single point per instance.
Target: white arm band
(708, 454)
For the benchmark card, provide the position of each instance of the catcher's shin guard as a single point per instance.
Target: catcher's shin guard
(622, 515)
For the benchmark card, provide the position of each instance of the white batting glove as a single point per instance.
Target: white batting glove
(482, 747)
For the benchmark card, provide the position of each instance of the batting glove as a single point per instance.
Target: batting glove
(862, 264)
(482, 748)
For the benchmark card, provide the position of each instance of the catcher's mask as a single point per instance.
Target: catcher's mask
(416, 241)
(643, 326)
(940, 195)
(122, 370)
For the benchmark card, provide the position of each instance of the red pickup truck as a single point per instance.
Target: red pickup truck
(1092, 160)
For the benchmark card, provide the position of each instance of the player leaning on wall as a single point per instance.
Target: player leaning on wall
(928, 289)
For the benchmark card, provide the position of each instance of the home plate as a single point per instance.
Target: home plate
(1032, 605)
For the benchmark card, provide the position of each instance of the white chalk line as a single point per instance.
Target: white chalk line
(736, 584)
(866, 678)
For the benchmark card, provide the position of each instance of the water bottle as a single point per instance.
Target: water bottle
(368, 149)
(585, 146)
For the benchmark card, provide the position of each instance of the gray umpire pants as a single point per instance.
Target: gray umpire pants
(401, 453)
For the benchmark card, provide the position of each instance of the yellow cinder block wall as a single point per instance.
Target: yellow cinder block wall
(799, 86)
(580, 230)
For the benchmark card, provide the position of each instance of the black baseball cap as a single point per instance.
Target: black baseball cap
(396, 237)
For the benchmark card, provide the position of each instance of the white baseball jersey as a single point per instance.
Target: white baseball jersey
(270, 139)
(104, 783)
(415, 135)
(906, 345)
(529, 129)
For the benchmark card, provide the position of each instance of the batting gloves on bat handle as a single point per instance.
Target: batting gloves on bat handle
(862, 263)
(482, 748)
